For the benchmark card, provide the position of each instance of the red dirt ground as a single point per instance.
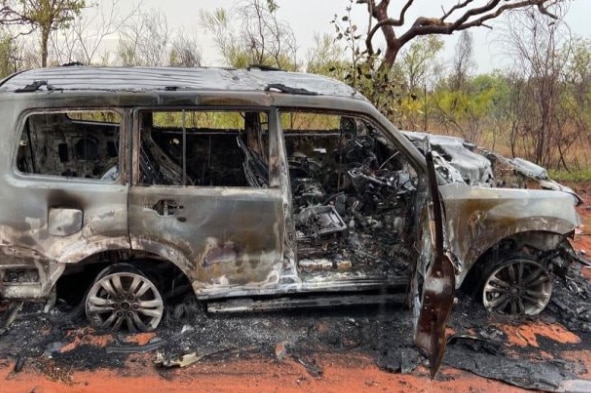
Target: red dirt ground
(350, 373)
(341, 374)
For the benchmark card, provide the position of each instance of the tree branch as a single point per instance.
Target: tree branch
(389, 22)
(472, 16)
(425, 26)
(455, 8)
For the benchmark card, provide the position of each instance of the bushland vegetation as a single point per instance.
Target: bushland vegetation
(538, 107)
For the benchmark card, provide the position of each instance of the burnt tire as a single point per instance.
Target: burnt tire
(516, 285)
(123, 298)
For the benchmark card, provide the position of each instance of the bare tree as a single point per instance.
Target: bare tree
(412, 75)
(463, 61)
(185, 50)
(260, 39)
(88, 32)
(465, 14)
(265, 36)
(454, 106)
(540, 117)
(143, 40)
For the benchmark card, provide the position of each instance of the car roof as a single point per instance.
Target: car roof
(145, 79)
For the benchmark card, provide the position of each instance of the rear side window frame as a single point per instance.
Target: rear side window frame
(122, 138)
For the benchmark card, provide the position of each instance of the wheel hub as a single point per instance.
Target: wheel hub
(124, 298)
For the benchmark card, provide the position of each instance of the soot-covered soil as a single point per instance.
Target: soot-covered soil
(337, 349)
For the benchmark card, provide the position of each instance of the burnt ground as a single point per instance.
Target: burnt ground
(478, 342)
(521, 351)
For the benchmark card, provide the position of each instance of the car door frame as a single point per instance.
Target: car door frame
(196, 260)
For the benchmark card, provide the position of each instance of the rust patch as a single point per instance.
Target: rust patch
(527, 334)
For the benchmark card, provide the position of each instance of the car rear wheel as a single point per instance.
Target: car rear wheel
(517, 285)
(124, 298)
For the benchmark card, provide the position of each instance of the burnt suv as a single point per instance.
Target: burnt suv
(259, 189)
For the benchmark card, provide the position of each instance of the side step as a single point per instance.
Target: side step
(287, 303)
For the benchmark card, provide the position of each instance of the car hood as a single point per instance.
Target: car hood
(463, 162)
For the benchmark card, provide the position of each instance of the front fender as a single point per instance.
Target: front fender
(478, 218)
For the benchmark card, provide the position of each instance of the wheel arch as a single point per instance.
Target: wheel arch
(533, 240)
(167, 253)
(99, 258)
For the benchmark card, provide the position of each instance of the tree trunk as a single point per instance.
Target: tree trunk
(380, 13)
(44, 40)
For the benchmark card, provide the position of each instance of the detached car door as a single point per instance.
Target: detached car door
(191, 201)
(434, 279)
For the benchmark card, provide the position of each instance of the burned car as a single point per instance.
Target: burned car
(258, 189)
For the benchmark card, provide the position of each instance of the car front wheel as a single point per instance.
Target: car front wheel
(517, 285)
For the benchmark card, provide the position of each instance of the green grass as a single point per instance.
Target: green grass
(575, 175)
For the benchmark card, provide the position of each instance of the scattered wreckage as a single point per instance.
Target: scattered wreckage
(259, 189)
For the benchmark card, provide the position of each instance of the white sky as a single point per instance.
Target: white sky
(310, 17)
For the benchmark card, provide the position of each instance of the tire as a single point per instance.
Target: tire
(516, 285)
(122, 297)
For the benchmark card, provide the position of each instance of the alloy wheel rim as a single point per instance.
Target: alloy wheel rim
(517, 288)
(124, 299)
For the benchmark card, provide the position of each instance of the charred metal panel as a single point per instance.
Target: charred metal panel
(478, 218)
(220, 237)
(279, 178)
(27, 277)
(464, 162)
(104, 208)
(48, 220)
(474, 169)
(520, 173)
(64, 222)
(174, 79)
(438, 283)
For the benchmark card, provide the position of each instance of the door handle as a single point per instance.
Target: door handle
(167, 207)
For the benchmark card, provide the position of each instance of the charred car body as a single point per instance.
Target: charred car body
(256, 184)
